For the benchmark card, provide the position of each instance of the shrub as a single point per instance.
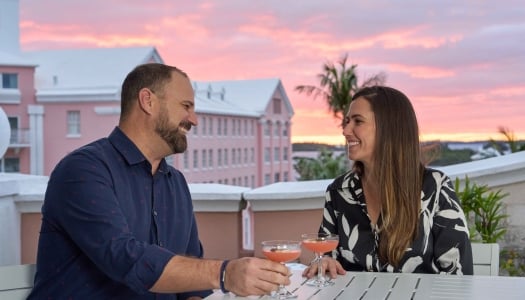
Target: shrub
(484, 211)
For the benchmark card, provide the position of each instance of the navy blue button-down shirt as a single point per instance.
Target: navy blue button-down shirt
(109, 226)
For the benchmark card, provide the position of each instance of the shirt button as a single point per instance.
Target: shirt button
(155, 213)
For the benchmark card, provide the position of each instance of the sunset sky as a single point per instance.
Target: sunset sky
(462, 63)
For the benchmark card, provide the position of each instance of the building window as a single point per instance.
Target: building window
(204, 164)
(246, 157)
(16, 136)
(285, 130)
(186, 160)
(210, 158)
(239, 127)
(253, 181)
(219, 126)
(219, 157)
(9, 81)
(276, 177)
(226, 157)
(267, 179)
(276, 129)
(252, 155)
(267, 129)
(285, 154)
(245, 127)
(267, 154)
(285, 177)
(210, 126)
(73, 123)
(195, 159)
(225, 127)
(234, 161)
(203, 125)
(239, 156)
(276, 153)
(277, 106)
(10, 165)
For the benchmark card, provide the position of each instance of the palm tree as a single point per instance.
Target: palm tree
(337, 85)
(513, 143)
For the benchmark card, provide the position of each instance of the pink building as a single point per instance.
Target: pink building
(17, 91)
(58, 100)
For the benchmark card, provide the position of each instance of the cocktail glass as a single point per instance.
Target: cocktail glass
(282, 251)
(319, 243)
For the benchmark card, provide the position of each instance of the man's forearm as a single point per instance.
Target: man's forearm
(185, 274)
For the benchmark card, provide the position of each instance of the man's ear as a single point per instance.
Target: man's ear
(145, 100)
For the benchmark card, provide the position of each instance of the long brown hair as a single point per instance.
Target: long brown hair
(397, 169)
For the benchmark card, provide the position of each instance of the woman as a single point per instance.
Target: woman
(391, 212)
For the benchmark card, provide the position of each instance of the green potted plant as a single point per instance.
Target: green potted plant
(483, 209)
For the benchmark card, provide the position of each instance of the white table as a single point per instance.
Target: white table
(376, 286)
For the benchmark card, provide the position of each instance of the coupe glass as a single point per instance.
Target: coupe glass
(319, 243)
(282, 251)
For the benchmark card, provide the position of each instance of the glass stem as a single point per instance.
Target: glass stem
(320, 272)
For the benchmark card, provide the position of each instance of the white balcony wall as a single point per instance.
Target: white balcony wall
(233, 220)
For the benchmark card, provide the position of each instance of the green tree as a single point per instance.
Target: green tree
(325, 166)
(513, 143)
(337, 85)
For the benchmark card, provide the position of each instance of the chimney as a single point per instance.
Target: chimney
(10, 26)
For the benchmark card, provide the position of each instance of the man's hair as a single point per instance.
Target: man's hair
(153, 76)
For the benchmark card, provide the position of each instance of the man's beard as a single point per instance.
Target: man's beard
(173, 137)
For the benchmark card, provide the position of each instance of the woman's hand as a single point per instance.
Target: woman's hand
(330, 266)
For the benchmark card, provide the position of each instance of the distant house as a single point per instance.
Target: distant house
(58, 100)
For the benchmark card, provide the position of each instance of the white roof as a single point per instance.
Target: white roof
(240, 97)
(96, 75)
(14, 60)
(91, 69)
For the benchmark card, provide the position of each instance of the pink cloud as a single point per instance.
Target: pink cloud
(462, 65)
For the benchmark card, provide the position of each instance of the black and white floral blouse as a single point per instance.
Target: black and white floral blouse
(442, 244)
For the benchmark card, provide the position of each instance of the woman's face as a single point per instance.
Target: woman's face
(359, 129)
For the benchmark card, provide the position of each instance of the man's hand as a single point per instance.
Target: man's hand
(255, 276)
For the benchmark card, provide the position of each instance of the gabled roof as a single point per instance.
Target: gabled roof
(86, 71)
(238, 97)
(15, 60)
(96, 75)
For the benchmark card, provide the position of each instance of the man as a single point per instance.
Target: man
(117, 220)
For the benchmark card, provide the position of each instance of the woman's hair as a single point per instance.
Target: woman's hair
(150, 75)
(397, 169)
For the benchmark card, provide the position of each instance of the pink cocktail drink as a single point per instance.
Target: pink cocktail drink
(282, 251)
(283, 255)
(320, 245)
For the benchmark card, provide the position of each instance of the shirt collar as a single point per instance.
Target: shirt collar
(130, 152)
